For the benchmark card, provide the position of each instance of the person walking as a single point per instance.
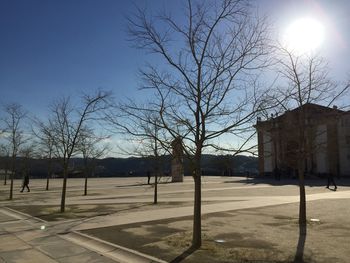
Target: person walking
(25, 183)
(330, 180)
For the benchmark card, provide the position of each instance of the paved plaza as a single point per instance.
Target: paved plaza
(103, 226)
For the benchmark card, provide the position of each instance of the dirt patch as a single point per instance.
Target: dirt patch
(269, 234)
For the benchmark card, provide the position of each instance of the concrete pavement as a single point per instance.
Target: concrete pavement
(23, 239)
(238, 204)
(28, 239)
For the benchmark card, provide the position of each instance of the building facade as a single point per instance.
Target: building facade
(318, 137)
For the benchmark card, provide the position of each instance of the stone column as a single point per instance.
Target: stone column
(177, 167)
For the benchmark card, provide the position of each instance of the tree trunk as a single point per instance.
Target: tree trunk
(302, 208)
(63, 198)
(197, 224)
(302, 216)
(302, 205)
(6, 170)
(86, 172)
(301, 169)
(155, 188)
(85, 185)
(12, 176)
(5, 179)
(49, 172)
(47, 183)
(11, 185)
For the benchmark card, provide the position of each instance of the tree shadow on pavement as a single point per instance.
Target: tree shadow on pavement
(184, 255)
(299, 254)
(141, 184)
(319, 181)
(130, 185)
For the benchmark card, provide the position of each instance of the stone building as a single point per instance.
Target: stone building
(326, 141)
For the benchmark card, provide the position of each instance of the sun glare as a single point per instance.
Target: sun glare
(304, 35)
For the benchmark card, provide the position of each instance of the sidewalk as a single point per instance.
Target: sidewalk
(31, 240)
(159, 214)
(24, 239)
(28, 239)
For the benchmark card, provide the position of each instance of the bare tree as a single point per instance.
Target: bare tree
(14, 133)
(203, 88)
(5, 154)
(307, 81)
(66, 125)
(44, 134)
(157, 146)
(141, 124)
(91, 149)
(27, 153)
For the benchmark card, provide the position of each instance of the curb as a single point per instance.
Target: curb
(113, 251)
(21, 216)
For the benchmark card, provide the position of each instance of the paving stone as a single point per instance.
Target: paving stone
(26, 256)
(31, 235)
(5, 218)
(90, 257)
(17, 226)
(11, 243)
(57, 247)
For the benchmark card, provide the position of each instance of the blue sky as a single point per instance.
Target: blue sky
(51, 48)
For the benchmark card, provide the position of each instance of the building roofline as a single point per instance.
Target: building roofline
(313, 105)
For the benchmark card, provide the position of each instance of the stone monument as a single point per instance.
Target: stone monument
(177, 166)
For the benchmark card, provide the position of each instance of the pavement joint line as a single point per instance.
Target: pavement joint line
(29, 219)
(20, 215)
(113, 251)
(8, 212)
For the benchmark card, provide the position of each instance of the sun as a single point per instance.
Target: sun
(304, 35)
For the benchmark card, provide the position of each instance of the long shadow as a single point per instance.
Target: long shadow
(112, 211)
(130, 185)
(80, 221)
(184, 255)
(334, 190)
(319, 181)
(140, 184)
(299, 254)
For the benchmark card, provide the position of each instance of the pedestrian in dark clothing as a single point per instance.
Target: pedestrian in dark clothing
(148, 177)
(25, 183)
(330, 180)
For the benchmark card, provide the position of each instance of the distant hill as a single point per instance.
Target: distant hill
(136, 166)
